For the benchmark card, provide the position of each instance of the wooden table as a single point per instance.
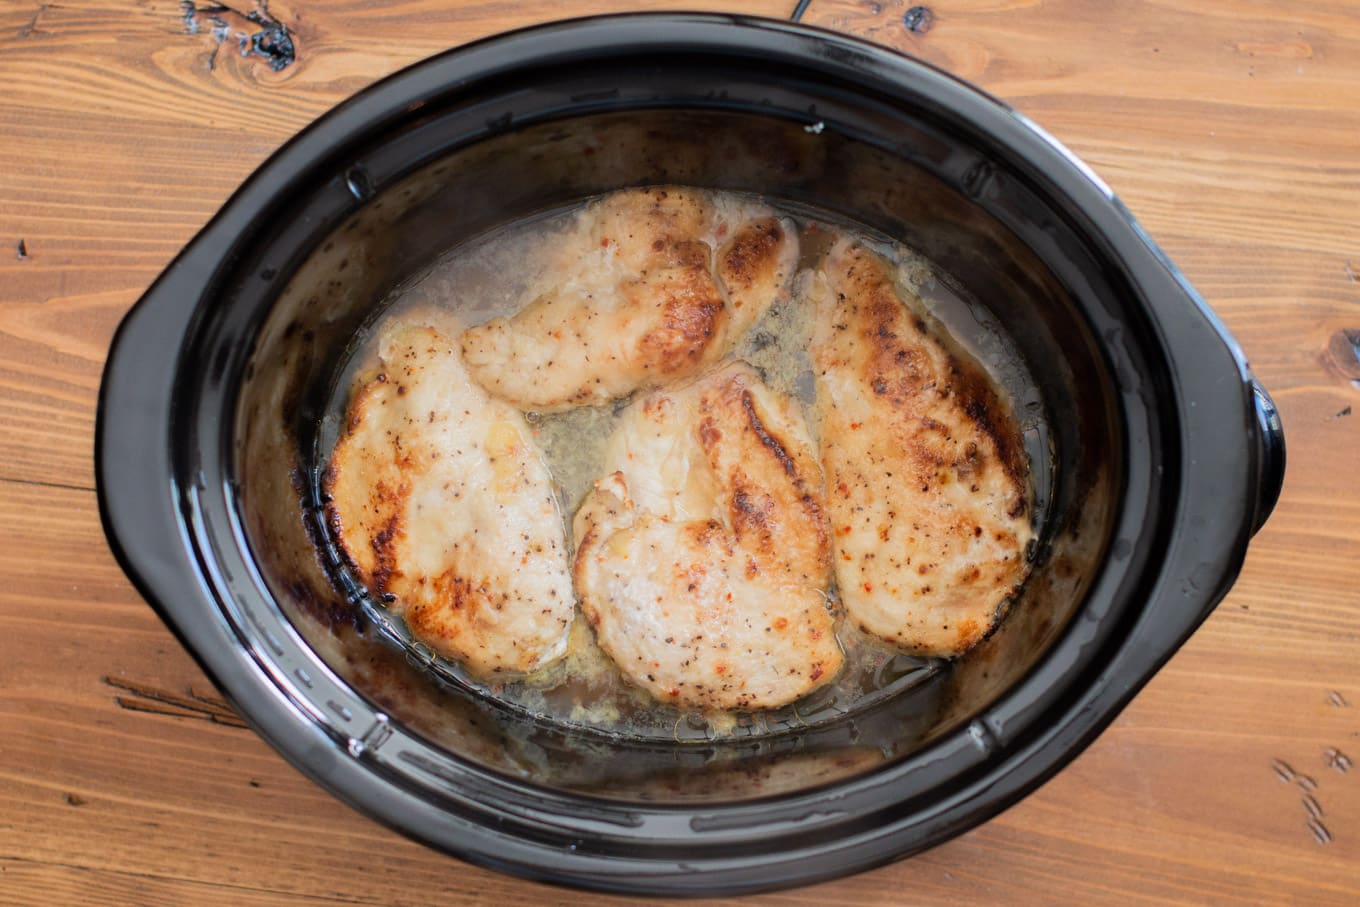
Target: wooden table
(1230, 128)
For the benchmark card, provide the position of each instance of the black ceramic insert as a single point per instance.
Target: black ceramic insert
(1164, 456)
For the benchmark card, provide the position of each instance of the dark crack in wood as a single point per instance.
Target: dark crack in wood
(918, 19)
(163, 702)
(258, 32)
(32, 25)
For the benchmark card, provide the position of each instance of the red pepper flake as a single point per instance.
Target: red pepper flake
(868, 587)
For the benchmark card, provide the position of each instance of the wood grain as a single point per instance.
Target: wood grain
(1230, 129)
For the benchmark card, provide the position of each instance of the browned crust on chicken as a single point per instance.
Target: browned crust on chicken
(927, 480)
(909, 370)
(724, 609)
(761, 511)
(646, 287)
(692, 310)
(441, 505)
(751, 258)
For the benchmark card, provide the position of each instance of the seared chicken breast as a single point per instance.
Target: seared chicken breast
(444, 507)
(648, 286)
(702, 555)
(927, 482)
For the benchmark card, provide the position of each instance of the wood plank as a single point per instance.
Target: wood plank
(150, 784)
(134, 133)
(1228, 128)
(1221, 123)
(77, 886)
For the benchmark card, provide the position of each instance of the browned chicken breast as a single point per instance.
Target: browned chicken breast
(702, 557)
(444, 506)
(649, 286)
(925, 474)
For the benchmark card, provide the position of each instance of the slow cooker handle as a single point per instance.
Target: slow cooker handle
(1270, 455)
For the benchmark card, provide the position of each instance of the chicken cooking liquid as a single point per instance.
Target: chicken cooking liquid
(491, 280)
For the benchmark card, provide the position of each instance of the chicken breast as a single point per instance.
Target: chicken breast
(927, 482)
(445, 509)
(702, 556)
(648, 286)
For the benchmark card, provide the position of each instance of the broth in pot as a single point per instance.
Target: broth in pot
(651, 466)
